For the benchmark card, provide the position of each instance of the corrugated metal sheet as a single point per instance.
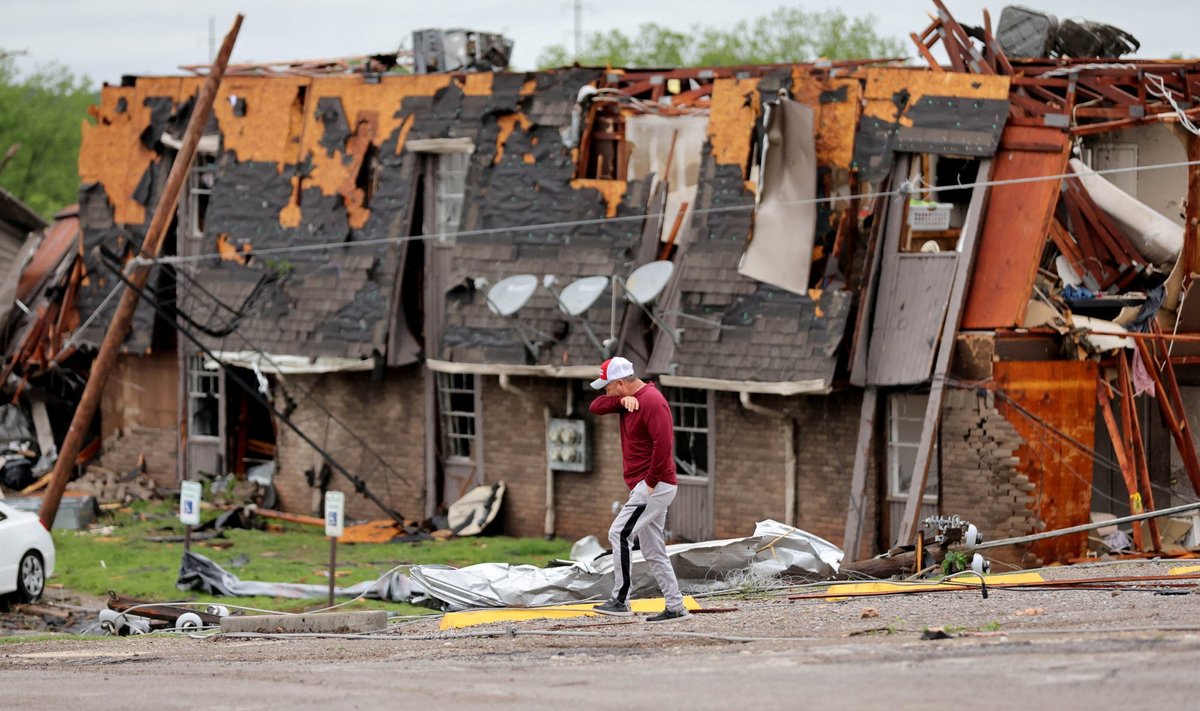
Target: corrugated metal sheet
(1047, 396)
(1015, 227)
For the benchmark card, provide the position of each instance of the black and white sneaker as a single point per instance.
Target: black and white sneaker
(669, 615)
(613, 609)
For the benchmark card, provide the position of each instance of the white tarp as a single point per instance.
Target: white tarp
(785, 218)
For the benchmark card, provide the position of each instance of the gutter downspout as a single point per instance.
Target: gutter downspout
(507, 386)
(789, 453)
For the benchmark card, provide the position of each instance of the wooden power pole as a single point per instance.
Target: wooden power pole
(119, 328)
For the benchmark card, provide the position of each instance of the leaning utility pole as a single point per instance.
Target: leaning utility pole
(119, 328)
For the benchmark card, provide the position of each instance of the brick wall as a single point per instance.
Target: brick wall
(388, 416)
(750, 467)
(138, 416)
(515, 452)
(980, 479)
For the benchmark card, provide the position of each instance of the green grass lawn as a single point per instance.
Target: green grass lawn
(133, 567)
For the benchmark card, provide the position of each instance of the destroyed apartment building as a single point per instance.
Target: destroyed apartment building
(871, 292)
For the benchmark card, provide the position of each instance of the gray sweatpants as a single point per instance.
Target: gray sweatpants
(643, 519)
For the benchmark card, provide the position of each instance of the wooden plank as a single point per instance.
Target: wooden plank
(1138, 451)
(909, 312)
(1122, 454)
(1014, 230)
(1040, 398)
(885, 236)
(954, 311)
(856, 514)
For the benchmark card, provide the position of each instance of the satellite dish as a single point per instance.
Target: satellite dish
(511, 293)
(581, 294)
(647, 281)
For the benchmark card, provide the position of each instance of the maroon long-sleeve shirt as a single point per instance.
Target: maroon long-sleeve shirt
(647, 436)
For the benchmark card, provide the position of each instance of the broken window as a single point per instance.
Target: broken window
(200, 183)
(936, 216)
(458, 400)
(906, 419)
(450, 180)
(690, 416)
(204, 398)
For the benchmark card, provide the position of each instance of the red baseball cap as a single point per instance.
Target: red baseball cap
(613, 369)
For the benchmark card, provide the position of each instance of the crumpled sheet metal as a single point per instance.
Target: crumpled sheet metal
(774, 550)
(199, 573)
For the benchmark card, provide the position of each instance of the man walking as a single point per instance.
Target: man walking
(648, 458)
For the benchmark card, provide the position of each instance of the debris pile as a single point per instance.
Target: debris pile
(111, 487)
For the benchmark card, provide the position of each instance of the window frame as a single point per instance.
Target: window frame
(697, 403)
(894, 443)
(197, 376)
(451, 420)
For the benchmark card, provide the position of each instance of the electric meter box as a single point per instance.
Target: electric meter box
(568, 447)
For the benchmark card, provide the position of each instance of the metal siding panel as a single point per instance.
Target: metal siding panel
(1015, 228)
(1062, 395)
(910, 309)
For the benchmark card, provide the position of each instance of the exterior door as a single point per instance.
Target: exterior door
(906, 418)
(459, 415)
(690, 517)
(205, 418)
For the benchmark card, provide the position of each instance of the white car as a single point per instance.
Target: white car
(26, 554)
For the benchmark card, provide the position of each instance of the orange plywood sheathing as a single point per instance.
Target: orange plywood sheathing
(1015, 228)
(255, 136)
(384, 99)
(229, 252)
(884, 84)
(356, 147)
(290, 215)
(734, 109)
(835, 122)
(358, 99)
(110, 151)
(1039, 397)
(613, 191)
(507, 124)
(477, 84)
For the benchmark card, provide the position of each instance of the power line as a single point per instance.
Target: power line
(905, 189)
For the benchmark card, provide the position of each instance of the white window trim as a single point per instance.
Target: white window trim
(893, 443)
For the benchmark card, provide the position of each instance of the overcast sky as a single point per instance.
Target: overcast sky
(107, 38)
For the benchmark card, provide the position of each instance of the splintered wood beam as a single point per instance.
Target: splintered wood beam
(1118, 443)
(1183, 440)
(856, 514)
(924, 50)
(1138, 452)
(1191, 229)
(950, 324)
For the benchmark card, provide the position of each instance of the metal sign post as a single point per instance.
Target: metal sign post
(190, 493)
(335, 524)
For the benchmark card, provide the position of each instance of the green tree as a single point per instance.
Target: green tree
(788, 34)
(40, 116)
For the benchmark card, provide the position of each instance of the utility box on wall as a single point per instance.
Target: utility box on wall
(567, 446)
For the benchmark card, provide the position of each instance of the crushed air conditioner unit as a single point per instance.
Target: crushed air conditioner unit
(567, 446)
(459, 50)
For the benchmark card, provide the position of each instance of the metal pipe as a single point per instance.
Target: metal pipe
(789, 453)
(1089, 526)
(551, 514)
